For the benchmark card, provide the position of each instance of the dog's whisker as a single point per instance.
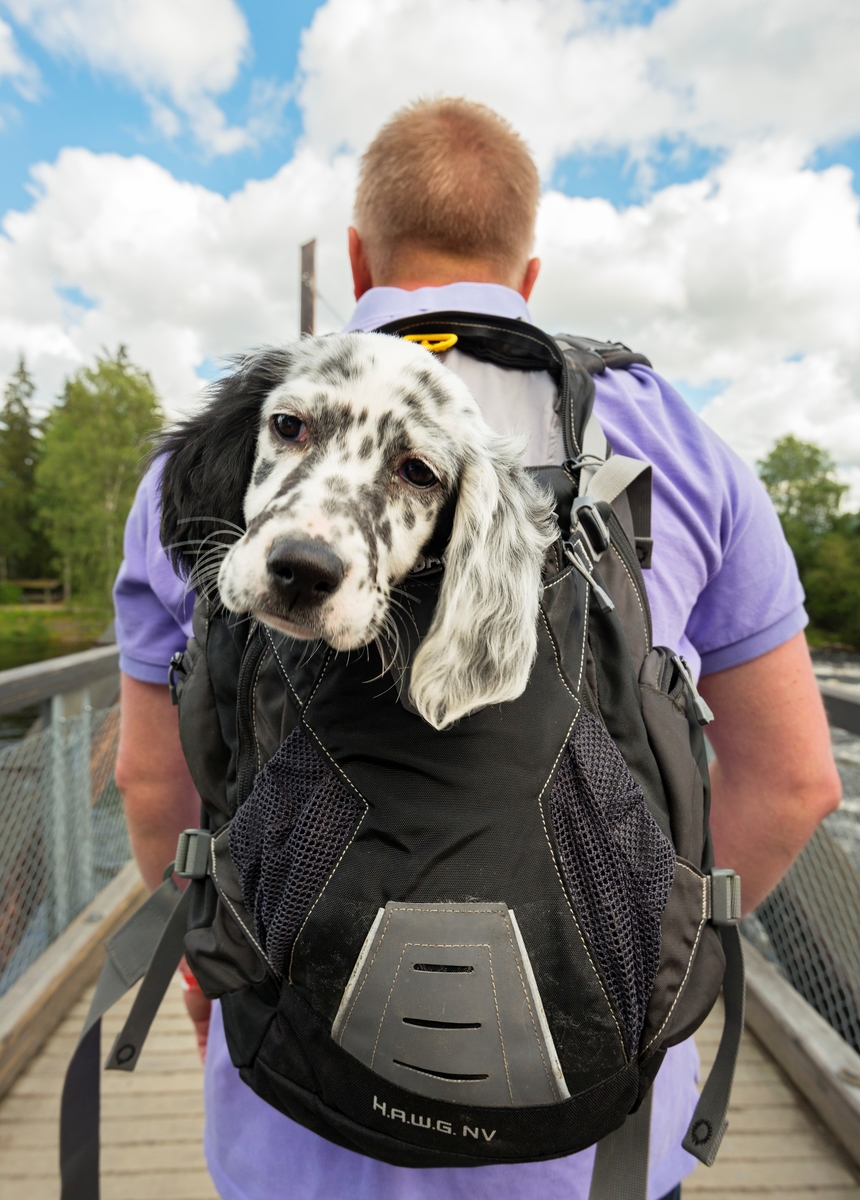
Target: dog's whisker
(404, 592)
(200, 541)
(406, 610)
(223, 520)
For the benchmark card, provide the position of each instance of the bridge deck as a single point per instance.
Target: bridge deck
(152, 1123)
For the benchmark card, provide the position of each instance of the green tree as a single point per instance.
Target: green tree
(832, 584)
(801, 480)
(90, 466)
(23, 550)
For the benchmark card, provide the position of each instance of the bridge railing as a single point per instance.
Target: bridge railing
(62, 830)
(809, 926)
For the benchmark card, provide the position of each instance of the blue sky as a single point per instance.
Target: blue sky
(82, 106)
(701, 163)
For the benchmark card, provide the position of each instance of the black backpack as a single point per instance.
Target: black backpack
(461, 947)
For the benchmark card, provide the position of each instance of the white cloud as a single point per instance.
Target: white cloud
(817, 399)
(177, 272)
(756, 262)
(569, 79)
(181, 51)
(728, 278)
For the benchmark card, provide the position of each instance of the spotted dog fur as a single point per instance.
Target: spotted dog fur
(370, 407)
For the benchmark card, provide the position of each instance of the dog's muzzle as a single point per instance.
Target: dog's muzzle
(302, 574)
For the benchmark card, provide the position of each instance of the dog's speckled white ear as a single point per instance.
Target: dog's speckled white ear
(483, 638)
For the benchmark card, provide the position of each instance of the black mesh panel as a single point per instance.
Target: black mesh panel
(286, 838)
(618, 865)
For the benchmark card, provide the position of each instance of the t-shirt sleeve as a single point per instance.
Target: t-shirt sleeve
(754, 601)
(723, 585)
(153, 605)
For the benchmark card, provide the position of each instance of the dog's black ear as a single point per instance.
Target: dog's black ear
(209, 458)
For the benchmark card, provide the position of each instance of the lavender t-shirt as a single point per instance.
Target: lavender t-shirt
(723, 590)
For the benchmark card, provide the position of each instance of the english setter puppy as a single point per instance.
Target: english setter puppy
(336, 460)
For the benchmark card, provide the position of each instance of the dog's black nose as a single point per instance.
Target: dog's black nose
(305, 570)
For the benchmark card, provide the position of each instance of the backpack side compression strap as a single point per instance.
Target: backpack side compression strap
(156, 930)
(621, 1161)
(709, 1122)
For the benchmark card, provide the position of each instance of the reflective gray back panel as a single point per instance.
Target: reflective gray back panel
(443, 1002)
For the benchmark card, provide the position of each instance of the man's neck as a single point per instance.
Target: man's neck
(441, 273)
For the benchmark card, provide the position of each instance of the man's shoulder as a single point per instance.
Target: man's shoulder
(646, 416)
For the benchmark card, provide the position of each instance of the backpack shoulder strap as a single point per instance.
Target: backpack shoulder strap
(596, 356)
(154, 932)
(630, 486)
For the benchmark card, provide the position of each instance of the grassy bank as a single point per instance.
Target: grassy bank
(30, 632)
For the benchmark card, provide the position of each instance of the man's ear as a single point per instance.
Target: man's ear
(361, 277)
(209, 458)
(529, 278)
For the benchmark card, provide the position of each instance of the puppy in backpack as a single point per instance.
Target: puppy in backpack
(339, 465)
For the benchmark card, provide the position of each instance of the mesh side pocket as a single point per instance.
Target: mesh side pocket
(618, 865)
(286, 838)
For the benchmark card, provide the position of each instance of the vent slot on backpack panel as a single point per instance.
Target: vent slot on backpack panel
(443, 1002)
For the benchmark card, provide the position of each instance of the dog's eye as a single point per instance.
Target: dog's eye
(417, 473)
(290, 428)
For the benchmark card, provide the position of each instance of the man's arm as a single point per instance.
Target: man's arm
(158, 794)
(774, 777)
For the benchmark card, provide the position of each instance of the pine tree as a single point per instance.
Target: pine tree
(22, 546)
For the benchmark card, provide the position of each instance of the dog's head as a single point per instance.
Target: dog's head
(335, 461)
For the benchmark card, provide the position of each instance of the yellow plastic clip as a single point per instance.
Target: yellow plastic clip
(437, 342)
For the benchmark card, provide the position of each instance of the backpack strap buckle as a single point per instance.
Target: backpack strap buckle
(725, 892)
(585, 512)
(193, 854)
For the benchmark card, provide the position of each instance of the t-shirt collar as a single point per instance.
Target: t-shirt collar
(380, 305)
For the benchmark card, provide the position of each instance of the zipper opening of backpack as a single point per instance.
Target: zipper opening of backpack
(571, 446)
(628, 557)
(246, 746)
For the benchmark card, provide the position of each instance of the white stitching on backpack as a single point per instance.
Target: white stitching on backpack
(702, 924)
(346, 847)
(648, 646)
(241, 923)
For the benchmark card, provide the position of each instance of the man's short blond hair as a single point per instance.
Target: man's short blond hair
(447, 176)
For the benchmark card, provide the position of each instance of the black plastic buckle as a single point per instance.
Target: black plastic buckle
(192, 854)
(586, 513)
(644, 549)
(176, 664)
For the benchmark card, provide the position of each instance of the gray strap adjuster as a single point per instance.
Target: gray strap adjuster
(192, 854)
(725, 896)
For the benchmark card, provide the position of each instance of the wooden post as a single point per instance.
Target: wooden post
(308, 287)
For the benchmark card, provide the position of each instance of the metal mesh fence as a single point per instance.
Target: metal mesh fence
(62, 832)
(809, 926)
